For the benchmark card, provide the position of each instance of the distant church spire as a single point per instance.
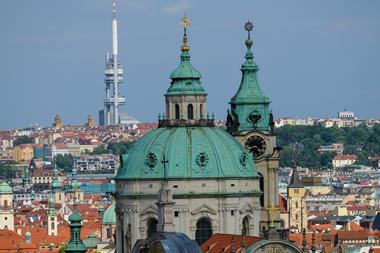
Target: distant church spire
(75, 244)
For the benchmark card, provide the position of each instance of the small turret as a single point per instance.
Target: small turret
(56, 185)
(52, 217)
(28, 237)
(75, 244)
(57, 122)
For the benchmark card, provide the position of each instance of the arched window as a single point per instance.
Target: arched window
(5, 204)
(52, 226)
(201, 111)
(261, 189)
(204, 231)
(190, 112)
(152, 226)
(245, 230)
(176, 111)
(109, 233)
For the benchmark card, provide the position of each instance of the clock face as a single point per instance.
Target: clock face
(256, 145)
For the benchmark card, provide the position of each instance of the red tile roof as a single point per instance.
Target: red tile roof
(345, 157)
(219, 243)
(282, 204)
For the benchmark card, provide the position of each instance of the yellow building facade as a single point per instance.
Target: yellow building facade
(23, 152)
(297, 203)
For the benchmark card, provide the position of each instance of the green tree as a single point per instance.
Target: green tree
(101, 149)
(119, 148)
(23, 140)
(7, 170)
(300, 144)
(64, 162)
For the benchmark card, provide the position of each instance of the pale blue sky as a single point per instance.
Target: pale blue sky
(315, 57)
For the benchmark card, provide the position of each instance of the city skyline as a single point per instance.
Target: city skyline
(47, 55)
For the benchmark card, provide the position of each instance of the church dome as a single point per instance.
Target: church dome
(109, 217)
(5, 188)
(190, 152)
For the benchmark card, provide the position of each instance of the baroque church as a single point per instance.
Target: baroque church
(221, 181)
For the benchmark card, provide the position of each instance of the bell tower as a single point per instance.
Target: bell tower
(52, 217)
(6, 206)
(250, 121)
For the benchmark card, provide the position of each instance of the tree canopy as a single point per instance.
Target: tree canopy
(22, 140)
(300, 144)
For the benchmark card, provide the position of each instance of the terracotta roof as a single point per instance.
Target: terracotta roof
(357, 208)
(353, 226)
(345, 157)
(297, 238)
(219, 243)
(323, 227)
(282, 204)
(355, 235)
(12, 242)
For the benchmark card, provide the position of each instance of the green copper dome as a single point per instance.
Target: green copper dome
(185, 69)
(185, 78)
(75, 217)
(109, 217)
(5, 188)
(191, 152)
(92, 241)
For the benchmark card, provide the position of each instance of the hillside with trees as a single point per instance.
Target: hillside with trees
(300, 144)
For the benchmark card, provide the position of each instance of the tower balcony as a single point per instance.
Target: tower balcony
(112, 100)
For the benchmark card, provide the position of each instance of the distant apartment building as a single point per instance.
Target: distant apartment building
(23, 152)
(95, 162)
(6, 154)
(335, 147)
(340, 161)
(346, 115)
(62, 149)
(294, 122)
(42, 176)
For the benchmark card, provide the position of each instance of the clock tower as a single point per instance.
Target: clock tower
(250, 121)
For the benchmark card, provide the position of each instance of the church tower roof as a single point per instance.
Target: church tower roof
(295, 181)
(249, 90)
(185, 78)
(56, 185)
(75, 244)
(249, 106)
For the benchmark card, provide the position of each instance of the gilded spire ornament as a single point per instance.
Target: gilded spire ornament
(185, 22)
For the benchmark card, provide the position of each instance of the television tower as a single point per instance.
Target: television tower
(113, 78)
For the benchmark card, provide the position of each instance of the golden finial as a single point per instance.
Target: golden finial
(185, 22)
